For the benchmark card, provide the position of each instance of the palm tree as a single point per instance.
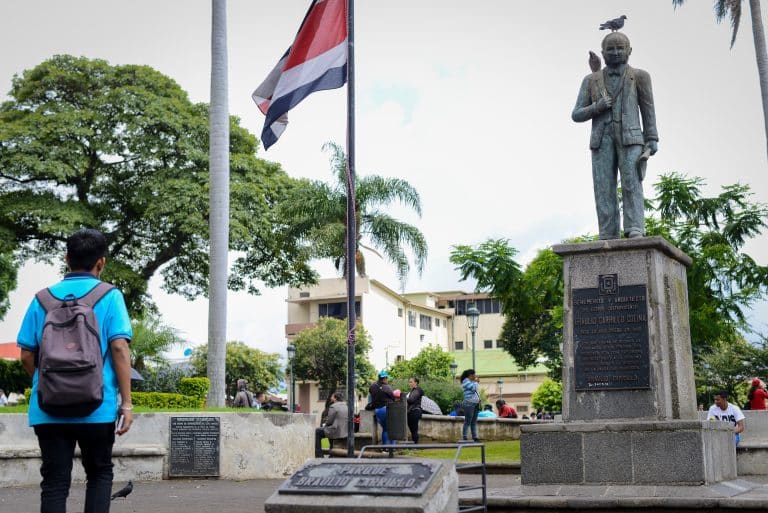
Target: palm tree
(732, 9)
(151, 338)
(316, 212)
(219, 208)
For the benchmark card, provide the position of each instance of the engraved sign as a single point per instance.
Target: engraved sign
(194, 446)
(355, 478)
(610, 335)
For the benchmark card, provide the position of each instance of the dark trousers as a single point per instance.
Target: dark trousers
(414, 416)
(319, 435)
(57, 448)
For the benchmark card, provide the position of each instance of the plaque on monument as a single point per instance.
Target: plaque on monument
(610, 333)
(355, 477)
(194, 446)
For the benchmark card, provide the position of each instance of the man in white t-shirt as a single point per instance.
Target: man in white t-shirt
(727, 412)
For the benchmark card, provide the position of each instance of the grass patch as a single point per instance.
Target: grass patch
(502, 451)
(21, 408)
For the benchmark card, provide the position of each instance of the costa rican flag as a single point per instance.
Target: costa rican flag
(316, 61)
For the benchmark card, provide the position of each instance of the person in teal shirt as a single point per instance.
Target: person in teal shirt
(95, 433)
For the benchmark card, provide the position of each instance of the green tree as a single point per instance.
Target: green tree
(321, 355)
(432, 363)
(8, 275)
(731, 9)
(262, 370)
(317, 214)
(548, 395)
(122, 149)
(531, 300)
(729, 365)
(151, 338)
(723, 280)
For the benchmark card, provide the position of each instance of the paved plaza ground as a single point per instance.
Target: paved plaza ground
(204, 495)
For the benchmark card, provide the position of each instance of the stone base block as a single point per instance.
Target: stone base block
(677, 452)
(752, 458)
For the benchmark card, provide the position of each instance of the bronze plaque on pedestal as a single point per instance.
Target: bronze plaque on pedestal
(610, 335)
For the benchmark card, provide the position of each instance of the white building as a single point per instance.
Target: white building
(400, 325)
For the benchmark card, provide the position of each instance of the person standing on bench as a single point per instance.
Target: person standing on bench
(335, 426)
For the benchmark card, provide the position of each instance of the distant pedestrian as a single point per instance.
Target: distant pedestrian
(243, 398)
(471, 404)
(457, 410)
(414, 407)
(3, 398)
(486, 412)
(727, 412)
(381, 395)
(757, 395)
(505, 410)
(57, 431)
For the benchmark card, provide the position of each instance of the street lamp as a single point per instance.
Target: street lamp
(454, 366)
(291, 353)
(473, 318)
(500, 384)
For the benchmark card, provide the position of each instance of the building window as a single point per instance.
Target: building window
(399, 358)
(337, 310)
(484, 306)
(425, 322)
(499, 345)
(322, 394)
(411, 319)
(521, 408)
(399, 312)
(437, 322)
(487, 344)
(458, 345)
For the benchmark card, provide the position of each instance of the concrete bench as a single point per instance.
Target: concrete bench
(752, 458)
(20, 464)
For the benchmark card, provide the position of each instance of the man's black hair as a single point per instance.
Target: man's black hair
(84, 248)
(339, 396)
(722, 393)
(415, 379)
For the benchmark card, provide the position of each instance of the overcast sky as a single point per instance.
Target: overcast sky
(470, 102)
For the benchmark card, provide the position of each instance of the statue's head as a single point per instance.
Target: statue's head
(616, 49)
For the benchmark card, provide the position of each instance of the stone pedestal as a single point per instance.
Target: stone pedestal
(629, 398)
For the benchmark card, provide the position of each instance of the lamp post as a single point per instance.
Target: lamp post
(291, 353)
(454, 366)
(500, 384)
(473, 318)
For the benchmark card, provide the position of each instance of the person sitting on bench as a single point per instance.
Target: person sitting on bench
(335, 426)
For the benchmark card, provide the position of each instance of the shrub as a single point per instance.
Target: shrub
(549, 395)
(195, 387)
(164, 400)
(13, 377)
(160, 379)
(27, 394)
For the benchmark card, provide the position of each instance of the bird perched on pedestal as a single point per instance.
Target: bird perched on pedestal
(123, 492)
(614, 24)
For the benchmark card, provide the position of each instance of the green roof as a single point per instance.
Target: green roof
(493, 362)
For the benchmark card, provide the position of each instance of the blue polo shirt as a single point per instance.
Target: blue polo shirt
(114, 323)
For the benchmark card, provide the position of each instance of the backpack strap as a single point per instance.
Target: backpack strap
(96, 294)
(50, 302)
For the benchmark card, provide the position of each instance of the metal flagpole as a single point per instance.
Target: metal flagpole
(351, 229)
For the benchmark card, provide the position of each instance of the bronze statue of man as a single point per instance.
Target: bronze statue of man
(615, 98)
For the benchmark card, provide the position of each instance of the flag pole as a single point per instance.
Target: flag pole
(351, 229)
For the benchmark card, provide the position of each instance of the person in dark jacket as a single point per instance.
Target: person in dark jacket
(381, 395)
(414, 407)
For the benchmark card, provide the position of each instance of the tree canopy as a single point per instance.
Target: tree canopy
(432, 362)
(122, 149)
(262, 370)
(321, 355)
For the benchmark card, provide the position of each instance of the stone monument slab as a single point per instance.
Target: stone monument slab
(404, 485)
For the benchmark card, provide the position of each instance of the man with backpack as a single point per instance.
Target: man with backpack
(74, 343)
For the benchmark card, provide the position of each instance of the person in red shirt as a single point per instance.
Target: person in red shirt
(757, 395)
(505, 410)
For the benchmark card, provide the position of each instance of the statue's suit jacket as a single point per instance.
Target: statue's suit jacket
(636, 100)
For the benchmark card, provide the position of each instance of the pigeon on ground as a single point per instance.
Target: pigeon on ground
(123, 492)
(594, 61)
(614, 24)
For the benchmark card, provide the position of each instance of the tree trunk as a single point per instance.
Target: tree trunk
(758, 33)
(219, 206)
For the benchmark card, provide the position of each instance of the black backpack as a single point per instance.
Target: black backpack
(70, 362)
